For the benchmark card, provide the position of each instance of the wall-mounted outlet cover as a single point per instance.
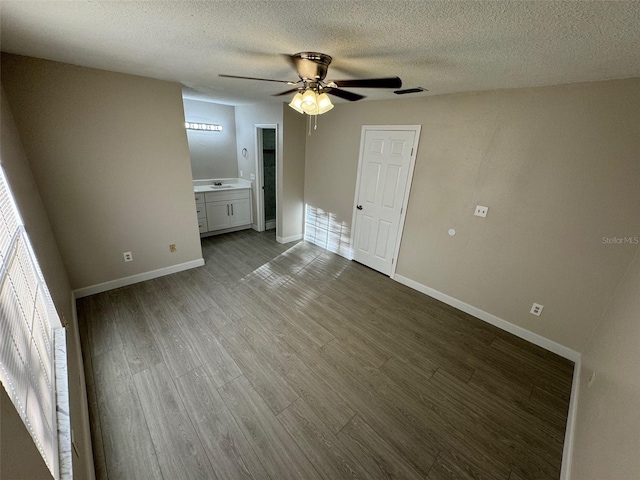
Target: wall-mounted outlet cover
(241, 174)
(481, 211)
(172, 247)
(128, 256)
(536, 309)
(252, 176)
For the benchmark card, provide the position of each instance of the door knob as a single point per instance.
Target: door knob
(359, 207)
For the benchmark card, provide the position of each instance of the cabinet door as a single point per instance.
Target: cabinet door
(218, 215)
(241, 212)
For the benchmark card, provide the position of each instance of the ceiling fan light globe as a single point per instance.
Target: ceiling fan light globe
(325, 110)
(310, 102)
(296, 103)
(324, 103)
(310, 109)
(309, 98)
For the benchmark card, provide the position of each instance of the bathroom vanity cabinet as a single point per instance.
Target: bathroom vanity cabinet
(224, 210)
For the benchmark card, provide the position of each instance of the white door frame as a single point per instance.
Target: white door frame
(258, 127)
(405, 201)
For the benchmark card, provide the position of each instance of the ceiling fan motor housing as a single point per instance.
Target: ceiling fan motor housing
(312, 66)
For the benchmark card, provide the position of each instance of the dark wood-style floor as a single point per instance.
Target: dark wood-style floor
(289, 362)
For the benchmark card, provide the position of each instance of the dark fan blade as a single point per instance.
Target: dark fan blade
(390, 82)
(352, 97)
(261, 79)
(285, 93)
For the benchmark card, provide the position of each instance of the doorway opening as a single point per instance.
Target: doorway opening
(266, 168)
(269, 177)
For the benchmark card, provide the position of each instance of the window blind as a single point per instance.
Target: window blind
(27, 322)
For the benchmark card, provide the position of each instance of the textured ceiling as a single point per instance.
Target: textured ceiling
(443, 46)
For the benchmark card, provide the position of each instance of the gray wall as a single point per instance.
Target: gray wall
(23, 186)
(110, 158)
(558, 168)
(607, 439)
(213, 154)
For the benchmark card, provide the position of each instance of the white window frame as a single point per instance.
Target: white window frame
(28, 324)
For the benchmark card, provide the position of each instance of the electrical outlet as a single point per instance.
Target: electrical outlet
(241, 174)
(172, 247)
(536, 309)
(128, 256)
(252, 176)
(481, 211)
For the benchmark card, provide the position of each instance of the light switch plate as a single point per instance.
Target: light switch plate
(481, 211)
(252, 176)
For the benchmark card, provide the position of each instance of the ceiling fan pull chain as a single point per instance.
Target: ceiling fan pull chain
(315, 126)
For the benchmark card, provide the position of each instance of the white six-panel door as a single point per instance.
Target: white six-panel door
(383, 184)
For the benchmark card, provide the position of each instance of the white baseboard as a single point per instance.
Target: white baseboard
(569, 434)
(516, 330)
(140, 277)
(292, 238)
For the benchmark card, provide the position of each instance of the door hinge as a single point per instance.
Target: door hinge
(392, 260)
(401, 210)
(412, 151)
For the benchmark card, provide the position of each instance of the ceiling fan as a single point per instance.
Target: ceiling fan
(311, 97)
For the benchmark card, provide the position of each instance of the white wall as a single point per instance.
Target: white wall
(293, 160)
(607, 433)
(557, 167)
(247, 116)
(110, 158)
(290, 157)
(212, 154)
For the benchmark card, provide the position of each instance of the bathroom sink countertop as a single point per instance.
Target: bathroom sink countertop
(218, 188)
